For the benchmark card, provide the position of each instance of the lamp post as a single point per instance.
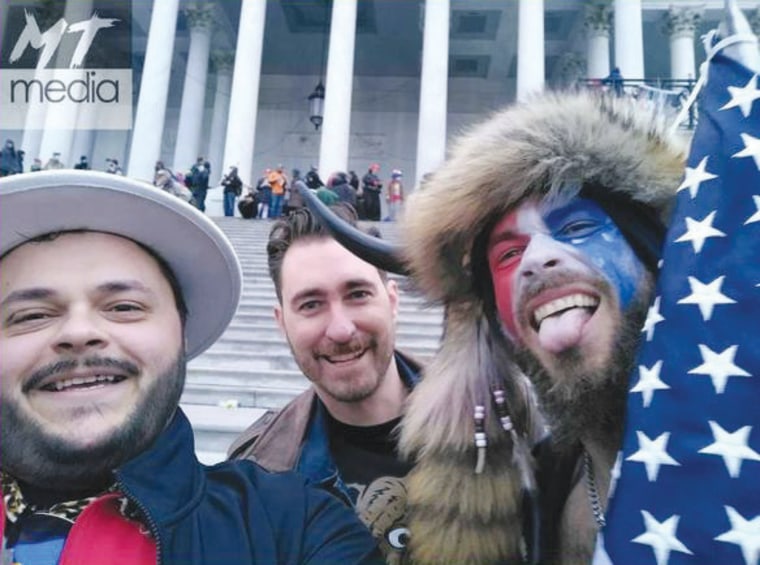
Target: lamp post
(317, 105)
(317, 97)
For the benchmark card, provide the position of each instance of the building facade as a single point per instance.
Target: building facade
(230, 79)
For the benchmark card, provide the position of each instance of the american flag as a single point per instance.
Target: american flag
(688, 488)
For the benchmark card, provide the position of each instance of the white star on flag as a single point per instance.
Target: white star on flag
(649, 381)
(696, 176)
(732, 447)
(698, 231)
(744, 533)
(615, 473)
(719, 366)
(706, 296)
(743, 97)
(653, 453)
(661, 537)
(751, 148)
(653, 318)
(756, 216)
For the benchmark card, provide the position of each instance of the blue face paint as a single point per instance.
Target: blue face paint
(584, 225)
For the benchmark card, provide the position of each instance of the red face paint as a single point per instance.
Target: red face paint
(508, 240)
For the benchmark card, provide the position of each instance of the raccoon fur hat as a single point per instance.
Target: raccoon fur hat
(533, 149)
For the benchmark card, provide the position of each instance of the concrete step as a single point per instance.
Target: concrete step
(215, 428)
(275, 344)
(426, 335)
(211, 393)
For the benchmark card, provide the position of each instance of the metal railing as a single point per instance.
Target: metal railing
(667, 95)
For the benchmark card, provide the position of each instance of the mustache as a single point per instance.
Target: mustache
(537, 285)
(66, 365)
(346, 349)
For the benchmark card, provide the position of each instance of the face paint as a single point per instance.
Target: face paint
(581, 225)
(509, 239)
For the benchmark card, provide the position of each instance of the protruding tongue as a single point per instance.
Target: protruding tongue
(563, 330)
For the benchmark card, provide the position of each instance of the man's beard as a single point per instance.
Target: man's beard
(34, 456)
(356, 390)
(591, 406)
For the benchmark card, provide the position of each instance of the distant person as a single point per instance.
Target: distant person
(166, 181)
(297, 188)
(263, 196)
(395, 195)
(83, 164)
(339, 184)
(327, 195)
(54, 163)
(157, 168)
(113, 167)
(233, 188)
(615, 81)
(312, 179)
(277, 182)
(198, 178)
(353, 180)
(372, 187)
(106, 294)
(11, 160)
(338, 313)
(247, 205)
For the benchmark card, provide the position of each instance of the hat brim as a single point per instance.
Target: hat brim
(197, 251)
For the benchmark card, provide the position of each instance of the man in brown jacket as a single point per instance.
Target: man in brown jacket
(338, 314)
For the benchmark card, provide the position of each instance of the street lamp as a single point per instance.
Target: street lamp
(317, 97)
(317, 105)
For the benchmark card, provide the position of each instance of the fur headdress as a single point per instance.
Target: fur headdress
(533, 149)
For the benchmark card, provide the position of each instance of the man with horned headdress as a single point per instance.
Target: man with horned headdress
(550, 282)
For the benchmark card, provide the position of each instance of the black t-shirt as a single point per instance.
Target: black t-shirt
(368, 462)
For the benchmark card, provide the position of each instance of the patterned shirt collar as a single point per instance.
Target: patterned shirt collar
(15, 505)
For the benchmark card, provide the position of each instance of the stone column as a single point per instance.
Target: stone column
(434, 84)
(31, 140)
(336, 128)
(244, 100)
(84, 140)
(679, 25)
(58, 132)
(530, 48)
(629, 39)
(598, 24)
(223, 63)
(148, 129)
(200, 20)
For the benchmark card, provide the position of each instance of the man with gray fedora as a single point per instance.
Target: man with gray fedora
(107, 287)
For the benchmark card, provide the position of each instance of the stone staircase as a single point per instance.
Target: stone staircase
(250, 368)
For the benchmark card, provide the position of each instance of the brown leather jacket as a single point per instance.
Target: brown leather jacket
(274, 440)
(277, 439)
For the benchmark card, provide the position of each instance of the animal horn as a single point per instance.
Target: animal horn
(378, 252)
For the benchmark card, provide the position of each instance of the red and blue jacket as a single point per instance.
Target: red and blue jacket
(233, 512)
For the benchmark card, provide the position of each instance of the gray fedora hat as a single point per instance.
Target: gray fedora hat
(197, 251)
